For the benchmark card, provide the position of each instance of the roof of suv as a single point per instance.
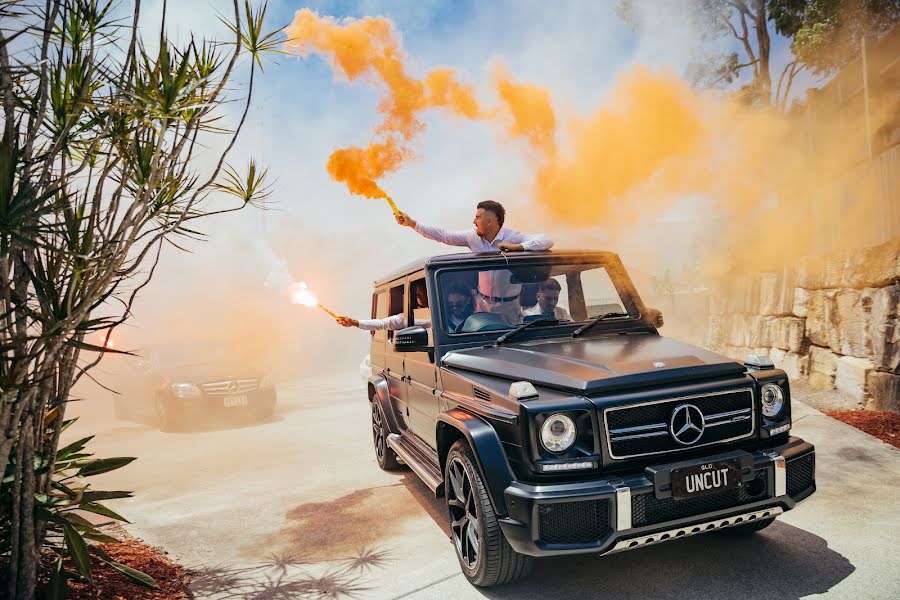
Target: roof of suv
(460, 257)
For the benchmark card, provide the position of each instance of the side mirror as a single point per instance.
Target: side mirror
(411, 339)
(656, 317)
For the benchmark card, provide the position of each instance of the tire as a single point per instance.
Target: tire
(386, 458)
(747, 528)
(488, 559)
(165, 415)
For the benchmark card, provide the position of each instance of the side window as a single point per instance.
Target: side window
(380, 311)
(396, 305)
(418, 304)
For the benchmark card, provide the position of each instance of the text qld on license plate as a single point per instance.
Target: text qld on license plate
(707, 478)
(231, 401)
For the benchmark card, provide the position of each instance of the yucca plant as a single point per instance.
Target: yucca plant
(100, 133)
(66, 532)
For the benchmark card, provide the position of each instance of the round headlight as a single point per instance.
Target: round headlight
(772, 400)
(558, 433)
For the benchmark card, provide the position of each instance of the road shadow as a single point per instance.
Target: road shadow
(287, 575)
(338, 527)
(781, 563)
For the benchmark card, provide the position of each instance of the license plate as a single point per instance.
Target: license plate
(707, 478)
(232, 401)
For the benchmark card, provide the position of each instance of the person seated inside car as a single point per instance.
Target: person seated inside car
(547, 302)
(460, 305)
(392, 322)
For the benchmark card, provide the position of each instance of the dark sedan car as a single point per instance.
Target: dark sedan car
(178, 386)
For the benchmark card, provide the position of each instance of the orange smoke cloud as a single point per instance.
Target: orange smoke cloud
(368, 49)
(649, 120)
(530, 111)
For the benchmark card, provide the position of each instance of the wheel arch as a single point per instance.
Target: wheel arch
(380, 392)
(486, 446)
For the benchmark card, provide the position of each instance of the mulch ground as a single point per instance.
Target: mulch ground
(111, 584)
(883, 425)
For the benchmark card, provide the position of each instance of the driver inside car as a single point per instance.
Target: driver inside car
(460, 306)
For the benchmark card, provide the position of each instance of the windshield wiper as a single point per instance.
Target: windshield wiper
(594, 321)
(522, 328)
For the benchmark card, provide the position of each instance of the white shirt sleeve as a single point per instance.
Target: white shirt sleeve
(539, 241)
(391, 323)
(451, 238)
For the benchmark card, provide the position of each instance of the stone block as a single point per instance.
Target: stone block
(784, 302)
(850, 377)
(795, 365)
(820, 326)
(761, 329)
(788, 333)
(822, 367)
(801, 297)
(850, 319)
(738, 331)
(777, 355)
(878, 266)
(885, 328)
(884, 391)
(768, 293)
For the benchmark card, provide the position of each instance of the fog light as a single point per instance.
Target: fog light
(186, 390)
(569, 466)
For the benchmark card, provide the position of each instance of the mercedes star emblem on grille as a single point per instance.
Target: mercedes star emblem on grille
(232, 386)
(686, 425)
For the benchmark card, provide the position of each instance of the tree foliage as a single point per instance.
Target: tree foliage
(101, 128)
(824, 34)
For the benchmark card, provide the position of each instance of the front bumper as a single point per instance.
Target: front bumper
(609, 515)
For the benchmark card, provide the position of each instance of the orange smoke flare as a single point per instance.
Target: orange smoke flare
(368, 49)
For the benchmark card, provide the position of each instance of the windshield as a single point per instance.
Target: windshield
(503, 297)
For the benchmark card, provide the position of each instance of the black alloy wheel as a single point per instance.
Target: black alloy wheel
(386, 458)
(485, 557)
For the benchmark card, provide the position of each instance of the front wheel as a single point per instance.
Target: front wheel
(486, 558)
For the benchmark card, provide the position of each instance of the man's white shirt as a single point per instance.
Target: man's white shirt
(393, 322)
(492, 283)
(559, 312)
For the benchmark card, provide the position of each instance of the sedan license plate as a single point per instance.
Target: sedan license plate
(232, 401)
(707, 478)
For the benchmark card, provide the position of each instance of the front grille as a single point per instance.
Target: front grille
(644, 429)
(230, 386)
(647, 509)
(573, 522)
(801, 474)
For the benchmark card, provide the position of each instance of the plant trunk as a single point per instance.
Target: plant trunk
(764, 46)
(23, 556)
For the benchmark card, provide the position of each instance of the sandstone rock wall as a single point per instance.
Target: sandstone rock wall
(832, 321)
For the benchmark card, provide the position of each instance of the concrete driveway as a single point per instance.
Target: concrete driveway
(297, 508)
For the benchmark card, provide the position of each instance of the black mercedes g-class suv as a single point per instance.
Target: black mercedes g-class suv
(533, 391)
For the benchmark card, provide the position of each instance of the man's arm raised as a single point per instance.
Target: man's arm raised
(451, 238)
(519, 241)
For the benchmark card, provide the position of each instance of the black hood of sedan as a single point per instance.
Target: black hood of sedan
(596, 364)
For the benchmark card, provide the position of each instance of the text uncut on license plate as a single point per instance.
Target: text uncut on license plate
(707, 478)
(232, 401)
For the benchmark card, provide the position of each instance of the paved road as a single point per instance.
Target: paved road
(297, 508)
